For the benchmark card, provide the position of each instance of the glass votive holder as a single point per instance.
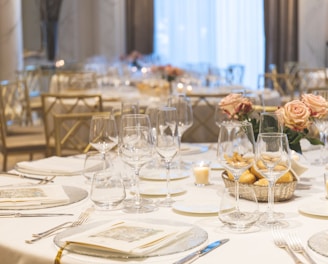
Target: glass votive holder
(325, 178)
(201, 171)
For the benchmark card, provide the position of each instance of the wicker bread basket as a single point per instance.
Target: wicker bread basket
(282, 191)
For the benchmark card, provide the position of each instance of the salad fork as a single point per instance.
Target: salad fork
(280, 242)
(83, 217)
(295, 243)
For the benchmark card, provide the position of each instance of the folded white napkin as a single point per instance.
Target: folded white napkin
(55, 166)
(32, 195)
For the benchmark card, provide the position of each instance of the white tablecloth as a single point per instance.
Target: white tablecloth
(256, 248)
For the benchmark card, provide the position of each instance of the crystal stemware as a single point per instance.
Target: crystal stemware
(103, 134)
(136, 149)
(272, 160)
(236, 150)
(167, 144)
(271, 122)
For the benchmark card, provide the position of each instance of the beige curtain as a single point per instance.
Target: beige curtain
(139, 26)
(281, 32)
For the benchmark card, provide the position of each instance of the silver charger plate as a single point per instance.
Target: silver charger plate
(318, 243)
(74, 194)
(195, 237)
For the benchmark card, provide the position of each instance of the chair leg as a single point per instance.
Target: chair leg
(4, 163)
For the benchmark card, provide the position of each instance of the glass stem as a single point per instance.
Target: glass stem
(103, 156)
(237, 194)
(270, 213)
(168, 193)
(137, 203)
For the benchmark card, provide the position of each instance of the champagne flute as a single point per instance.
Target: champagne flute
(272, 160)
(167, 144)
(103, 134)
(236, 150)
(136, 149)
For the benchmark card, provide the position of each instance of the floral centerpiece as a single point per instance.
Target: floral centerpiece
(168, 73)
(297, 115)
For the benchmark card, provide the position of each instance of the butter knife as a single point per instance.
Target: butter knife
(199, 253)
(31, 214)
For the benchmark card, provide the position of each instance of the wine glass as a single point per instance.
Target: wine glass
(219, 115)
(271, 122)
(136, 149)
(272, 160)
(103, 134)
(183, 106)
(322, 126)
(236, 150)
(167, 144)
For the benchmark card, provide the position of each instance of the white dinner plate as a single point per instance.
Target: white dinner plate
(151, 175)
(160, 191)
(316, 207)
(196, 207)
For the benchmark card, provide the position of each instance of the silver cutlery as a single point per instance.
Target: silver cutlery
(15, 214)
(199, 253)
(295, 244)
(279, 240)
(23, 176)
(83, 217)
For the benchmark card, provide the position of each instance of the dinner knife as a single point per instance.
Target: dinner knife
(32, 214)
(199, 253)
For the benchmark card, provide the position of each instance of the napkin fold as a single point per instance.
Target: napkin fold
(128, 237)
(32, 195)
(55, 166)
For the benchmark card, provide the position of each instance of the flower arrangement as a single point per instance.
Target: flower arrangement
(297, 115)
(168, 71)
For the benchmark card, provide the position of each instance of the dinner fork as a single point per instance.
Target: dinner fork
(47, 180)
(279, 240)
(83, 217)
(295, 243)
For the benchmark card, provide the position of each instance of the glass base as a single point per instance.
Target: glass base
(167, 202)
(131, 201)
(264, 222)
(140, 209)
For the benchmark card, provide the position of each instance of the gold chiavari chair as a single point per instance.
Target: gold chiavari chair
(323, 91)
(312, 78)
(64, 104)
(18, 135)
(72, 132)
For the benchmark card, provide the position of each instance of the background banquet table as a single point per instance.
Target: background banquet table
(255, 247)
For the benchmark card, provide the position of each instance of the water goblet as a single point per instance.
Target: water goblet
(272, 160)
(236, 150)
(107, 190)
(167, 144)
(93, 162)
(136, 149)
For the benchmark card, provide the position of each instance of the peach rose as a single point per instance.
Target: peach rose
(234, 105)
(296, 115)
(317, 105)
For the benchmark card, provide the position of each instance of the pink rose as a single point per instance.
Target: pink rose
(235, 105)
(296, 115)
(317, 104)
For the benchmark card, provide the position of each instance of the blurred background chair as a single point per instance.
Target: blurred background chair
(323, 91)
(64, 104)
(73, 81)
(72, 132)
(235, 74)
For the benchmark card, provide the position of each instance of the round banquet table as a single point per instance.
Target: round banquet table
(253, 247)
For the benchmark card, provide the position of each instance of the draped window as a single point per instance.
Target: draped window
(215, 32)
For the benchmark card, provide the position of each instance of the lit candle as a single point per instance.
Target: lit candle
(201, 175)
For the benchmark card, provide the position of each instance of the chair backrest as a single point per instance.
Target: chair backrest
(235, 74)
(72, 132)
(280, 82)
(64, 104)
(313, 78)
(323, 91)
(15, 103)
(73, 81)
